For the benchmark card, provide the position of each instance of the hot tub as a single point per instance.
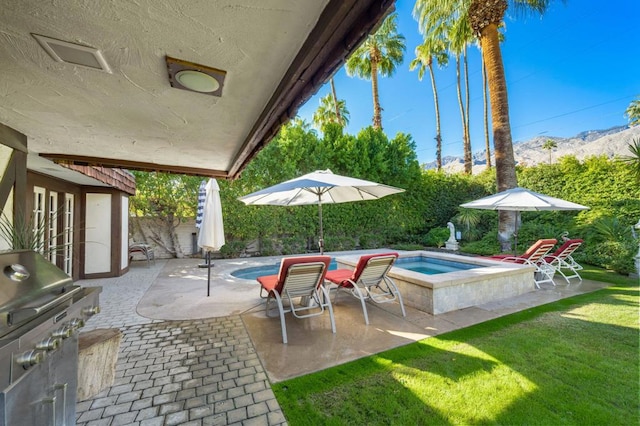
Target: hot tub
(485, 281)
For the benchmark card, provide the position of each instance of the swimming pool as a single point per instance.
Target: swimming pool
(421, 264)
(461, 282)
(437, 282)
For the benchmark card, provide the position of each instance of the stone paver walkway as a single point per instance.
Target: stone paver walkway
(189, 372)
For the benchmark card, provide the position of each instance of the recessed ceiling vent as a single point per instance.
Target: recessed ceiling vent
(76, 54)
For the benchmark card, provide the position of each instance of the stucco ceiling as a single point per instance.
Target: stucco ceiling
(276, 54)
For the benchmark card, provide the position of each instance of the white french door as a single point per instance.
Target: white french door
(39, 218)
(67, 234)
(52, 230)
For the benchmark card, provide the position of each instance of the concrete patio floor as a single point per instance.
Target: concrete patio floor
(190, 359)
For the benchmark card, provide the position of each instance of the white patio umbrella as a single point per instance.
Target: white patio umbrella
(521, 199)
(211, 236)
(320, 187)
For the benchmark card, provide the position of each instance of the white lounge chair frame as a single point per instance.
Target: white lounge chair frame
(375, 285)
(302, 282)
(544, 272)
(143, 249)
(565, 261)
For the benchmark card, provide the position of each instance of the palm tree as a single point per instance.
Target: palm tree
(434, 24)
(485, 16)
(633, 112)
(425, 53)
(549, 145)
(485, 109)
(380, 53)
(330, 111)
(460, 36)
(633, 160)
(336, 105)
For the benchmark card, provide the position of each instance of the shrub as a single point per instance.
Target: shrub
(617, 256)
(437, 237)
(293, 245)
(233, 249)
(369, 241)
(339, 243)
(268, 247)
(487, 246)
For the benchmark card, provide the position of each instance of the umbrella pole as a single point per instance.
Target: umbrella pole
(321, 241)
(208, 273)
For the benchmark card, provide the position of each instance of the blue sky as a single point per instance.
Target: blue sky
(577, 68)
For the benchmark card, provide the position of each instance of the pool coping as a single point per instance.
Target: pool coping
(447, 279)
(450, 291)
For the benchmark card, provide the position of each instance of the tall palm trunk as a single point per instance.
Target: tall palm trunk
(461, 105)
(377, 114)
(335, 103)
(468, 160)
(502, 143)
(487, 144)
(437, 110)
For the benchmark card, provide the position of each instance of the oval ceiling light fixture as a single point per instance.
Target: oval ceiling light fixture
(195, 77)
(197, 81)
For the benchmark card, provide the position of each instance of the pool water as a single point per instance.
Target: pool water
(432, 266)
(259, 271)
(422, 264)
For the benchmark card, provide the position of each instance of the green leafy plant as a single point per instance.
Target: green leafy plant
(469, 219)
(633, 160)
(437, 237)
(23, 233)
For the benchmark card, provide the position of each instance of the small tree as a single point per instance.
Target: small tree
(549, 145)
(167, 200)
(331, 111)
(633, 112)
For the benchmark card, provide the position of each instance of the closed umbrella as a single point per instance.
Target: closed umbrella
(202, 196)
(211, 236)
(521, 199)
(320, 187)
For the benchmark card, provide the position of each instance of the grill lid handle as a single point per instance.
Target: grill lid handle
(22, 314)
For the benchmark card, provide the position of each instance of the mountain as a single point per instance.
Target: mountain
(609, 142)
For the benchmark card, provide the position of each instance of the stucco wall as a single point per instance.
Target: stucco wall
(145, 230)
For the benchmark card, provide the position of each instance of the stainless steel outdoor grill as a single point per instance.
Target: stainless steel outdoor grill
(41, 311)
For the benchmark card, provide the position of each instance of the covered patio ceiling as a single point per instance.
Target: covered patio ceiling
(120, 109)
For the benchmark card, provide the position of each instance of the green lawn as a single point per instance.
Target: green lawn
(575, 361)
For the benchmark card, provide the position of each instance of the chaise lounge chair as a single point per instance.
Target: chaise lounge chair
(299, 282)
(561, 259)
(369, 281)
(534, 256)
(144, 249)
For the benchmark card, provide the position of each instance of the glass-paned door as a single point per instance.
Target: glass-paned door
(52, 231)
(39, 218)
(67, 234)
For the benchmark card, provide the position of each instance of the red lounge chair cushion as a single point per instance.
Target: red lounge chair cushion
(569, 245)
(276, 282)
(527, 254)
(268, 282)
(340, 277)
(343, 277)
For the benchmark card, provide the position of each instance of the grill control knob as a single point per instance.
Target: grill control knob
(63, 332)
(76, 323)
(91, 311)
(31, 358)
(50, 344)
